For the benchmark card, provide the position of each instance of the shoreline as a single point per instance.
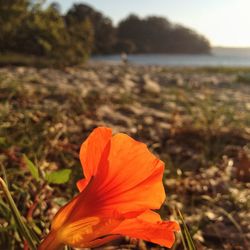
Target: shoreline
(217, 58)
(163, 60)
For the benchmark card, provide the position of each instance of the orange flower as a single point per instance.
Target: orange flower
(123, 182)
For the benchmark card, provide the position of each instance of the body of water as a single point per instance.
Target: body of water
(225, 57)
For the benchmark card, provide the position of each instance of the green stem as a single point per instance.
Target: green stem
(24, 231)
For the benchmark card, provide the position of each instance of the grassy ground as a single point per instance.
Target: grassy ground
(198, 123)
(12, 59)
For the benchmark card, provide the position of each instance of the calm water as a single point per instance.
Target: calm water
(218, 57)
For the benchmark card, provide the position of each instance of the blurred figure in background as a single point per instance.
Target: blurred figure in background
(124, 57)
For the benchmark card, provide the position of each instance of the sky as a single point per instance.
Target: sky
(224, 22)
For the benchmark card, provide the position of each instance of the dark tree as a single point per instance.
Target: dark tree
(28, 27)
(103, 30)
(12, 14)
(158, 35)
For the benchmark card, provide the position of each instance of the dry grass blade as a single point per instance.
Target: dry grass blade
(23, 229)
(185, 234)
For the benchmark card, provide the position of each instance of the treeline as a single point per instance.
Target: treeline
(158, 35)
(28, 27)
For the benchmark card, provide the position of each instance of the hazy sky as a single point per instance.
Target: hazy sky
(223, 22)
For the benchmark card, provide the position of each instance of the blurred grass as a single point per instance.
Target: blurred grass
(200, 128)
(14, 59)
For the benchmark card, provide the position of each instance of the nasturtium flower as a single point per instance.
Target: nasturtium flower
(122, 185)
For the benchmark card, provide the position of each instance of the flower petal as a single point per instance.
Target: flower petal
(79, 232)
(89, 232)
(123, 181)
(74, 210)
(149, 227)
(91, 153)
(101, 241)
(127, 177)
(131, 178)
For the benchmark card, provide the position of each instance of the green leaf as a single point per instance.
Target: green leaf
(58, 177)
(32, 168)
